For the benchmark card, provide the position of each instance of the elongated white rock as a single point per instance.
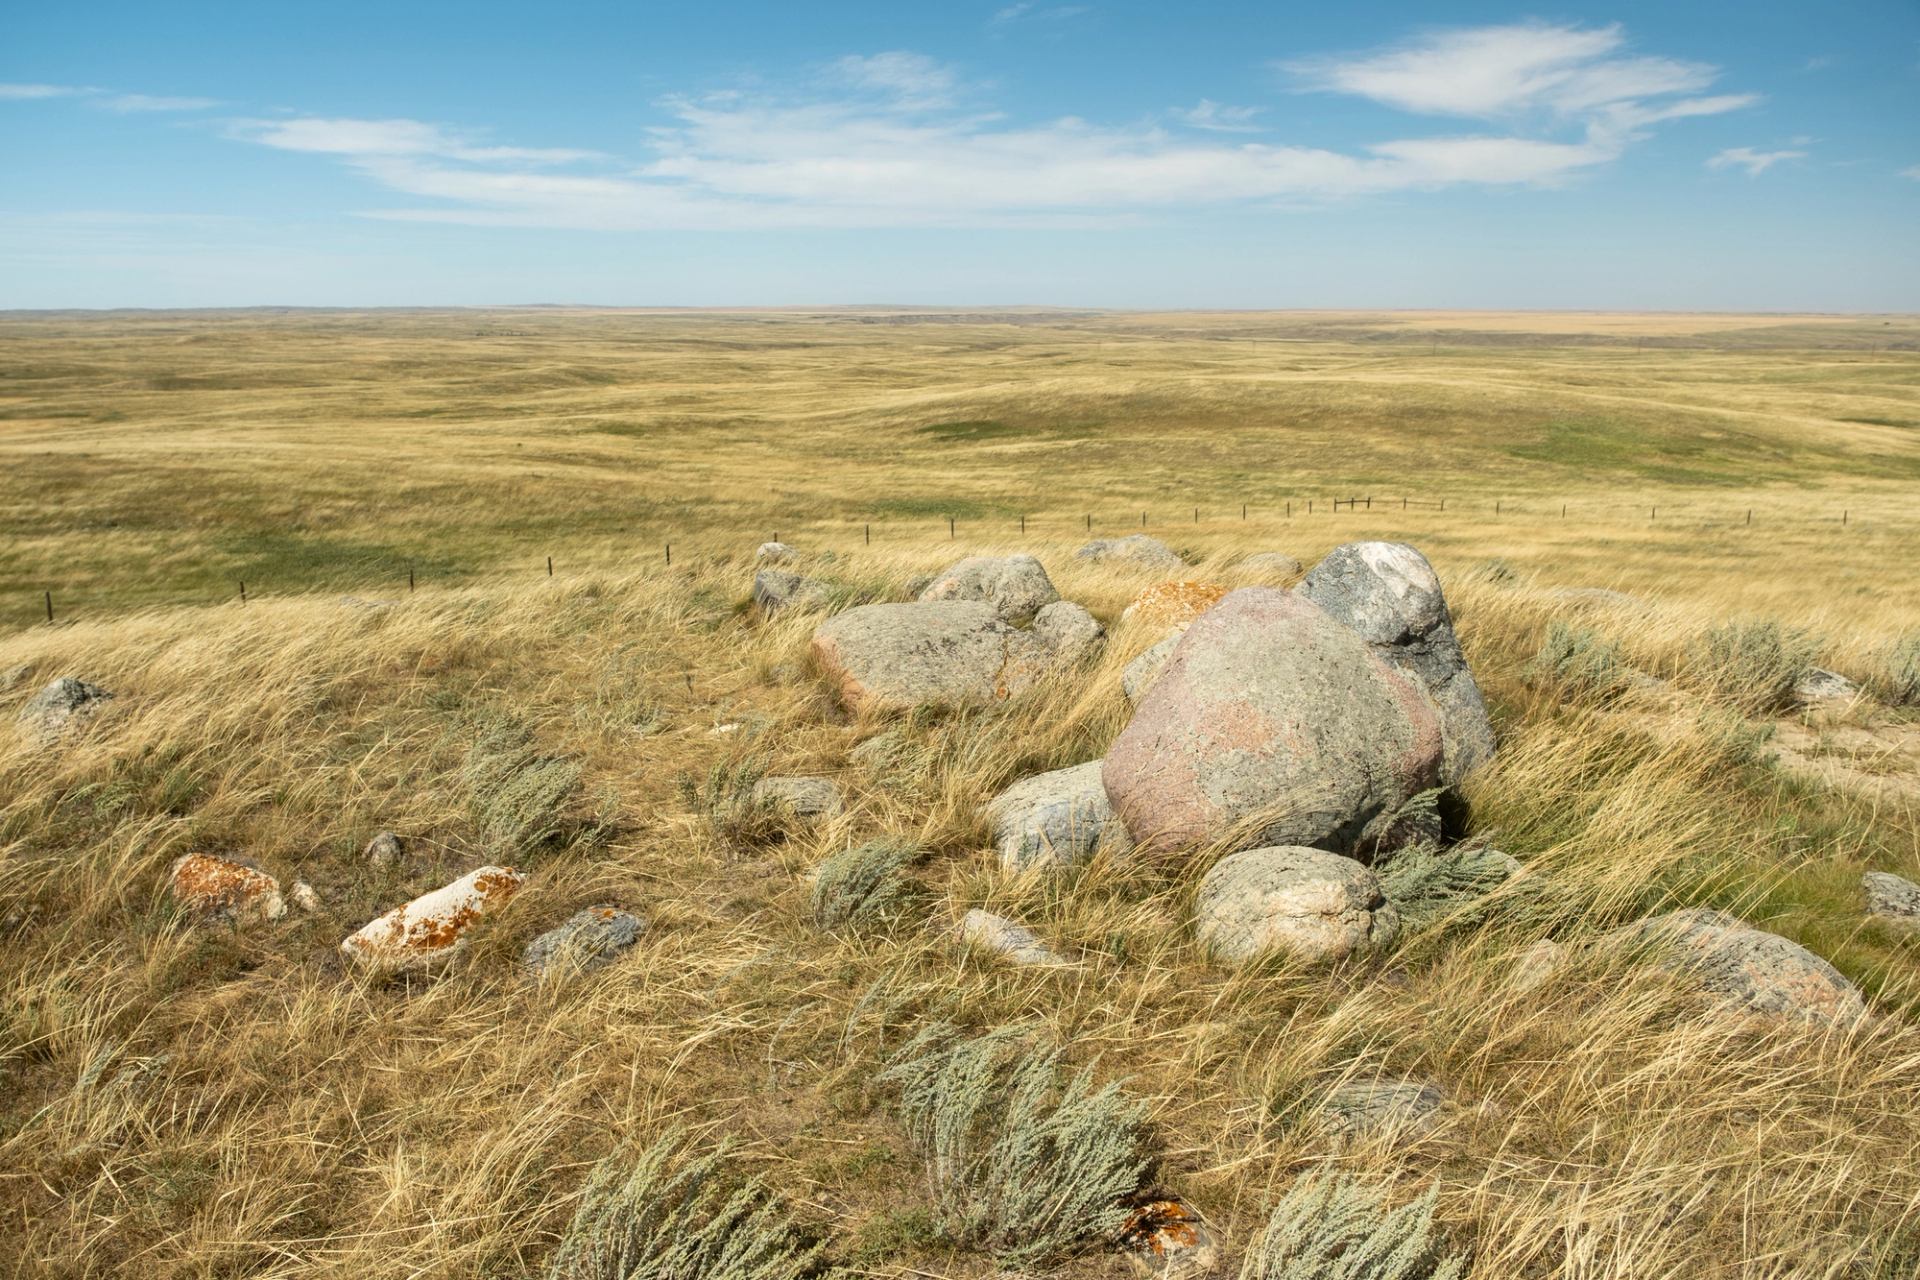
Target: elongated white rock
(431, 927)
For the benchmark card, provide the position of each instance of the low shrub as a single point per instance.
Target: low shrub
(1752, 666)
(727, 807)
(518, 797)
(1579, 662)
(866, 887)
(1897, 677)
(1332, 1228)
(1426, 883)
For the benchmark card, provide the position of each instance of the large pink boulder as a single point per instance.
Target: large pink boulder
(1274, 724)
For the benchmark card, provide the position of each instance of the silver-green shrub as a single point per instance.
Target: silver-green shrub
(1579, 661)
(1425, 883)
(1026, 1161)
(517, 796)
(1898, 677)
(866, 887)
(672, 1214)
(1332, 1228)
(1752, 665)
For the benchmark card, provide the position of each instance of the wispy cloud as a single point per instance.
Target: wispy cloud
(1912, 172)
(1208, 114)
(1753, 162)
(1035, 13)
(150, 102)
(29, 92)
(105, 99)
(908, 80)
(377, 139)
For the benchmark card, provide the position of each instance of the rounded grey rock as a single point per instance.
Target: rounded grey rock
(1136, 550)
(1752, 969)
(1014, 941)
(63, 705)
(1363, 1108)
(1056, 819)
(1138, 676)
(800, 797)
(777, 589)
(1068, 631)
(944, 652)
(1017, 587)
(1892, 897)
(589, 939)
(1308, 903)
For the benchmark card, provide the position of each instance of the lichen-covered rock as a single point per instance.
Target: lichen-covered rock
(1892, 898)
(62, 706)
(1273, 724)
(384, 852)
(589, 939)
(1364, 1108)
(1173, 604)
(431, 928)
(1165, 1239)
(1016, 587)
(1390, 596)
(1056, 819)
(1014, 941)
(1277, 563)
(1756, 971)
(1068, 631)
(305, 898)
(1138, 676)
(777, 589)
(1309, 903)
(216, 888)
(1821, 685)
(800, 797)
(773, 553)
(944, 652)
(1136, 551)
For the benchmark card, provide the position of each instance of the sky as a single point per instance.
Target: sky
(1637, 156)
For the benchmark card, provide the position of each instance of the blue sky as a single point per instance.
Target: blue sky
(1671, 156)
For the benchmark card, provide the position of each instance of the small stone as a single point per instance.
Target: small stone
(1014, 941)
(304, 897)
(1138, 676)
(1364, 1108)
(13, 675)
(773, 553)
(61, 707)
(1821, 685)
(384, 852)
(776, 589)
(800, 797)
(589, 939)
(216, 888)
(1165, 1239)
(1069, 631)
(1892, 898)
(432, 927)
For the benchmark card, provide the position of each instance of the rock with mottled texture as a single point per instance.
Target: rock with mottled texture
(588, 939)
(1368, 1108)
(1165, 1239)
(800, 797)
(1273, 724)
(1390, 596)
(1173, 604)
(1277, 563)
(305, 898)
(1309, 903)
(430, 930)
(384, 852)
(1892, 898)
(1138, 676)
(773, 553)
(1014, 941)
(1136, 551)
(1821, 685)
(777, 589)
(1068, 631)
(1057, 819)
(1017, 587)
(1751, 969)
(1536, 965)
(943, 652)
(216, 888)
(60, 708)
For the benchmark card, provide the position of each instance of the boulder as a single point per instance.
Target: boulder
(1136, 551)
(773, 553)
(384, 852)
(1390, 595)
(1165, 1239)
(1138, 676)
(1273, 724)
(1277, 563)
(1016, 586)
(1057, 819)
(1756, 971)
(431, 929)
(62, 706)
(997, 933)
(1891, 898)
(800, 797)
(1821, 685)
(1312, 904)
(777, 589)
(943, 652)
(1173, 604)
(216, 888)
(1069, 632)
(1363, 1108)
(589, 939)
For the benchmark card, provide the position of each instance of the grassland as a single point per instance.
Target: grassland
(180, 1101)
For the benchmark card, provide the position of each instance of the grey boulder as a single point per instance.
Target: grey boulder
(1390, 596)
(1136, 550)
(773, 553)
(1069, 632)
(1273, 724)
(1056, 819)
(1821, 685)
(1138, 676)
(1892, 898)
(1751, 969)
(1309, 903)
(62, 706)
(995, 933)
(800, 797)
(589, 939)
(777, 589)
(1368, 1108)
(943, 653)
(1016, 586)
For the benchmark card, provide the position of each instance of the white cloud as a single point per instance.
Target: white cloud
(1913, 173)
(1035, 13)
(1754, 162)
(149, 102)
(28, 92)
(910, 80)
(367, 139)
(1208, 114)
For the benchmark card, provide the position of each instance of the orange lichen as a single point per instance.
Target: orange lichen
(1161, 1227)
(207, 883)
(425, 926)
(1175, 603)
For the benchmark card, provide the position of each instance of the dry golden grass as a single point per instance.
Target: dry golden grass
(180, 1101)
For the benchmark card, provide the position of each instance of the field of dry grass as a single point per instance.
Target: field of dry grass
(181, 1100)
